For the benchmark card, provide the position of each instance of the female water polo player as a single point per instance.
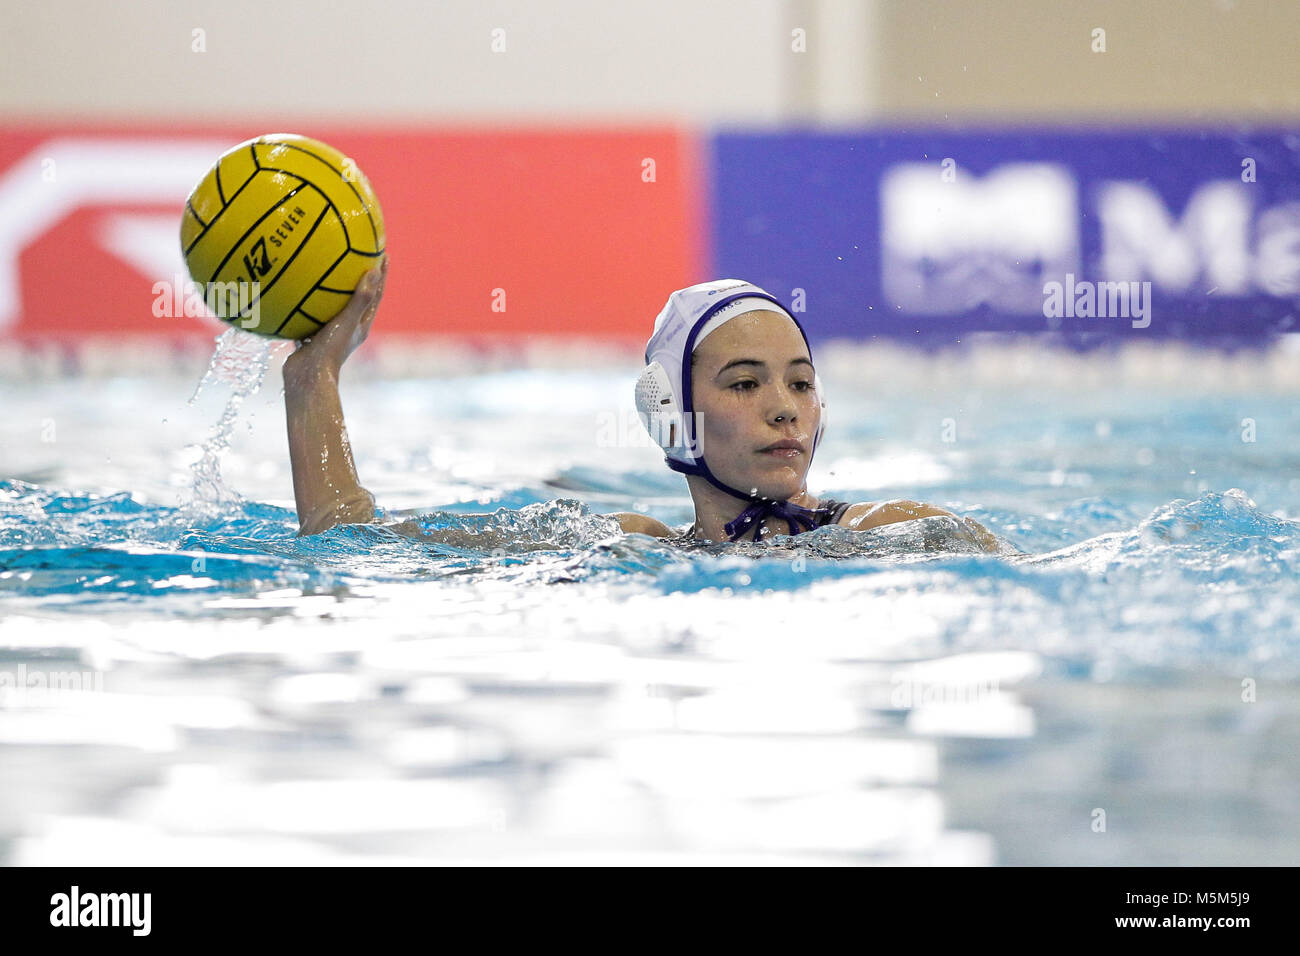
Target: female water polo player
(729, 374)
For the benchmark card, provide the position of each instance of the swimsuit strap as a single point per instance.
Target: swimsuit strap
(836, 511)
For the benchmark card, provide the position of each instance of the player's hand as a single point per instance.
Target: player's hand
(330, 347)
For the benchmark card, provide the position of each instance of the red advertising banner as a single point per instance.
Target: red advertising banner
(490, 233)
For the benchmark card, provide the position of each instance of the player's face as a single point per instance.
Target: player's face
(752, 385)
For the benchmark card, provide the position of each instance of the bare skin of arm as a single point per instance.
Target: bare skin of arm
(862, 517)
(325, 484)
(633, 523)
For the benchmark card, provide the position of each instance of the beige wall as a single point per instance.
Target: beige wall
(704, 61)
(393, 58)
(1216, 60)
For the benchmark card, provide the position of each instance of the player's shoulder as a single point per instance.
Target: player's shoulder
(854, 512)
(633, 523)
(870, 514)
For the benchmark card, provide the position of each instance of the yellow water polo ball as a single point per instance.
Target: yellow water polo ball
(279, 232)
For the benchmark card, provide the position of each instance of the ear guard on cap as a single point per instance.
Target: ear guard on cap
(660, 413)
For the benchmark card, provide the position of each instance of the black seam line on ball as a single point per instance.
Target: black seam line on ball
(288, 262)
(276, 205)
(374, 230)
(333, 266)
(199, 237)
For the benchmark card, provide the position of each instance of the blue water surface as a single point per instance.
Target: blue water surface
(1150, 540)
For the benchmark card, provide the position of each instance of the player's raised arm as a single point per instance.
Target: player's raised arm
(325, 484)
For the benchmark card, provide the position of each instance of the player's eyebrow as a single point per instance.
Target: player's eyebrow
(749, 361)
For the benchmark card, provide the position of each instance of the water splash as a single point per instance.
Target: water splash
(1206, 583)
(562, 523)
(240, 361)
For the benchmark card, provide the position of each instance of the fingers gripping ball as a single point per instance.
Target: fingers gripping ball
(279, 233)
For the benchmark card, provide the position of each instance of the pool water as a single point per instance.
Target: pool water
(1120, 685)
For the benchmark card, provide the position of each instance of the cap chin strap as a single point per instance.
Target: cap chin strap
(760, 508)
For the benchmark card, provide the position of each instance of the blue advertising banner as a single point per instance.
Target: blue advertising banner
(1086, 235)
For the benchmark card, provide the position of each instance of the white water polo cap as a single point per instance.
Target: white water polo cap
(663, 392)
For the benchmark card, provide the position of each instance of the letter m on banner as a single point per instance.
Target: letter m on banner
(950, 246)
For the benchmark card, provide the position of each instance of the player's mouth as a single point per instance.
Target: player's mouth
(786, 448)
